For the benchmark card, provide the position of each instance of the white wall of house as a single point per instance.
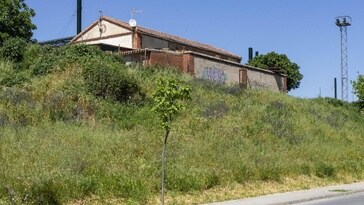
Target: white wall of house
(122, 41)
(94, 36)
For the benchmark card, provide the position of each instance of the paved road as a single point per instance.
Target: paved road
(348, 194)
(352, 199)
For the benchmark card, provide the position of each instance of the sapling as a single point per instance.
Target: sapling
(168, 100)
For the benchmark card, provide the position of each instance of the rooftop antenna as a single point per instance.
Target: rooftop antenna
(343, 22)
(102, 27)
(132, 21)
(100, 16)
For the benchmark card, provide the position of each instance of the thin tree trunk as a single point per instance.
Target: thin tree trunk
(163, 162)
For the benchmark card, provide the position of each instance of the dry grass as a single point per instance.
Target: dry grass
(73, 148)
(231, 191)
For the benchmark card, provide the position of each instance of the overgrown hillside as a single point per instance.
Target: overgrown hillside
(76, 127)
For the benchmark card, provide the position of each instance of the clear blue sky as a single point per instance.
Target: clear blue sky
(304, 30)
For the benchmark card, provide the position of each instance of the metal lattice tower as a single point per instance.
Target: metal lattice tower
(343, 22)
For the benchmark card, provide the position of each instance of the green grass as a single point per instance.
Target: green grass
(59, 144)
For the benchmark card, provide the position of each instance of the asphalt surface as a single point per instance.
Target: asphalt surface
(354, 192)
(351, 199)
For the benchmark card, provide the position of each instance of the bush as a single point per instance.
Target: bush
(32, 53)
(12, 78)
(324, 170)
(44, 192)
(52, 59)
(79, 53)
(110, 81)
(46, 61)
(13, 49)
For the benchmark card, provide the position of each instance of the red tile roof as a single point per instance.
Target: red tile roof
(166, 36)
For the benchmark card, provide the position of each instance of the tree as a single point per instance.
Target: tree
(167, 99)
(275, 60)
(15, 20)
(358, 86)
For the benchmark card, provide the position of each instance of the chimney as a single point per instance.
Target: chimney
(250, 53)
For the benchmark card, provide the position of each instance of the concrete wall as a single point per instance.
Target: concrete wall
(209, 68)
(229, 73)
(217, 71)
(260, 79)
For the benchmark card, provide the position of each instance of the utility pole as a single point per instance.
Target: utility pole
(79, 16)
(343, 22)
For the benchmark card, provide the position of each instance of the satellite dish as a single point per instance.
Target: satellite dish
(132, 22)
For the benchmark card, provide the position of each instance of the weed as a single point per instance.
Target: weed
(324, 170)
(69, 145)
(215, 110)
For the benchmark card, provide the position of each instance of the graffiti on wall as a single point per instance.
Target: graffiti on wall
(214, 74)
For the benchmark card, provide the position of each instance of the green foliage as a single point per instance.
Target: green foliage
(10, 76)
(15, 20)
(358, 86)
(47, 62)
(110, 82)
(13, 49)
(167, 103)
(275, 60)
(17, 58)
(324, 170)
(215, 110)
(31, 55)
(51, 59)
(44, 192)
(167, 99)
(82, 54)
(94, 148)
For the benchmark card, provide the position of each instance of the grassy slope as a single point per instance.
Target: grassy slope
(225, 140)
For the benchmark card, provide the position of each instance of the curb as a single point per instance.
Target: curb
(299, 196)
(320, 197)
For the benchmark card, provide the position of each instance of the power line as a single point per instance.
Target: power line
(67, 25)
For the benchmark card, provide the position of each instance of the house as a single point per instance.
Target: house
(151, 47)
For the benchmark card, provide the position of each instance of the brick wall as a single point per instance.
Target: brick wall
(188, 64)
(166, 59)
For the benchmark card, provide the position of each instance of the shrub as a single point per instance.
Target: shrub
(32, 53)
(44, 192)
(110, 81)
(13, 49)
(46, 62)
(51, 58)
(12, 78)
(79, 53)
(324, 170)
